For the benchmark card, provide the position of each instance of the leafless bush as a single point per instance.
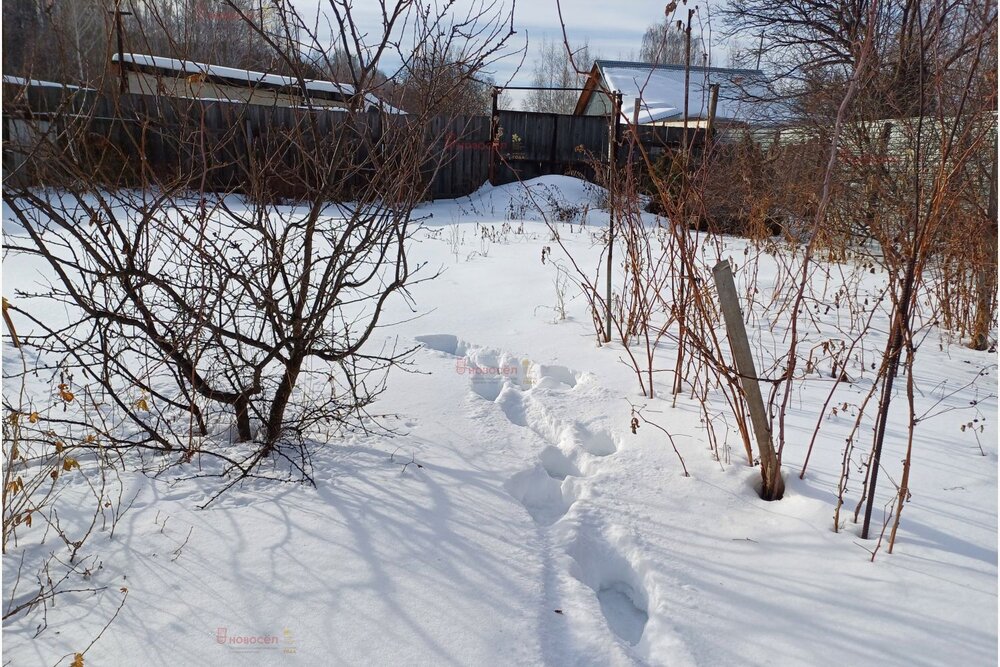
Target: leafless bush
(201, 317)
(895, 136)
(912, 148)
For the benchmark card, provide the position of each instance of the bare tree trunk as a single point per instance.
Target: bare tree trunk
(276, 416)
(244, 432)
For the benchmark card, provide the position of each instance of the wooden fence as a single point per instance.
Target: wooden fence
(216, 141)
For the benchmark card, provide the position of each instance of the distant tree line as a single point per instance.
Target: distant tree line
(558, 65)
(73, 42)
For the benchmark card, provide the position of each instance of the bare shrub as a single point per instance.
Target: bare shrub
(246, 318)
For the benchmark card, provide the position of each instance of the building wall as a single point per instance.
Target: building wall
(721, 124)
(193, 87)
(599, 104)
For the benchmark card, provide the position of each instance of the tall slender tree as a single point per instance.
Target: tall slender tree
(554, 68)
(664, 44)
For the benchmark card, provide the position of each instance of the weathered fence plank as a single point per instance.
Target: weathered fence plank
(176, 137)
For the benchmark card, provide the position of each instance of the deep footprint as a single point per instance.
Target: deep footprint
(513, 407)
(624, 618)
(556, 464)
(445, 343)
(622, 598)
(558, 373)
(487, 388)
(540, 493)
(597, 443)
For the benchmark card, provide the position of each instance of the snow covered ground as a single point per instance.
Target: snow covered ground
(517, 520)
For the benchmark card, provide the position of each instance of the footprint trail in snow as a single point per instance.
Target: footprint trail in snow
(560, 476)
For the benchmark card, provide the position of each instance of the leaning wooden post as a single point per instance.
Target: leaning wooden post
(774, 485)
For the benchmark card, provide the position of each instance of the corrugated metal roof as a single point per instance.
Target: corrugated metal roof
(660, 89)
(680, 67)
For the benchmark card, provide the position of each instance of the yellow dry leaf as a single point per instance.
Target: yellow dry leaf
(65, 393)
(69, 464)
(90, 439)
(77, 660)
(13, 418)
(141, 404)
(27, 520)
(33, 417)
(59, 446)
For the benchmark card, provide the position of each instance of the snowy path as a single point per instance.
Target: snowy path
(588, 576)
